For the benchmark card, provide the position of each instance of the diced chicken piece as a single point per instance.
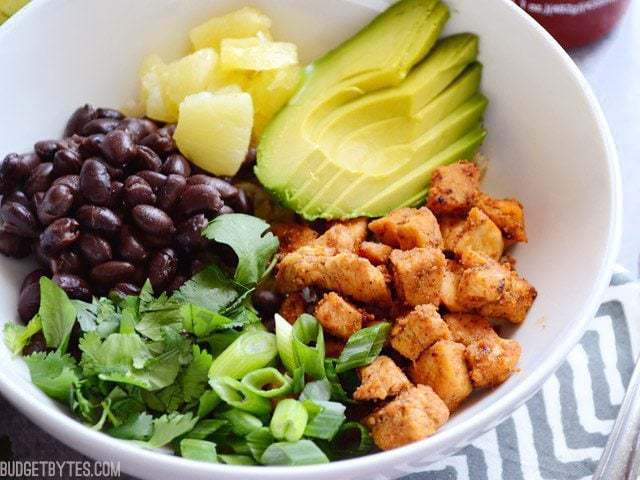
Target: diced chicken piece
(444, 369)
(417, 274)
(471, 258)
(454, 188)
(481, 285)
(345, 273)
(344, 236)
(491, 363)
(381, 379)
(451, 228)
(449, 288)
(418, 330)
(292, 307)
(516, 300)
(408, 228)
(480, 234)
(337, 316)
(333, 347)
(413, 415)
(385, 273)
(376, 253)
(507, 214)
(467, 328)
(292, 236)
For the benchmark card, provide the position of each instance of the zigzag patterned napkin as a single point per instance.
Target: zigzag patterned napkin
(542, 441)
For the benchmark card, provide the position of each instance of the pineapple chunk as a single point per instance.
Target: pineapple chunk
(190, 74)
(242, 23)
(256, 53)
(214, 130)
(152, 94)
(270, 90)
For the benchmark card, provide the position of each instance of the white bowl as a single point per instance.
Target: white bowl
(548, 141)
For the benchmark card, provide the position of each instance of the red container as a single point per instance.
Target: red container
(576, 22)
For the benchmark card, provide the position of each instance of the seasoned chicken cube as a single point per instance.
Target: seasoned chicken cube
(481, 285)
(414, 414)
(337, 316)
(507, 214)
(480, 234)
(408, 228)
(417, 274)
(449, 288)
(514, 303)
(345, 273)
(292, 307)
(344, 236)
(467, 328)
(381, 379)
(376, 253)
(491, 363)
(451, 228)
(292, 236)
(418, 330)
(454, 188)
(444, 369)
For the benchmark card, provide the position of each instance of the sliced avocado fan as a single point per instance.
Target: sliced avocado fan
(373, 118)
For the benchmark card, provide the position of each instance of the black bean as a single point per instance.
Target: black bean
(177, 164)
(189, 237)
(100, 125)
(267, 302)
(66, 261)
(60, 234)
(163, 145)
(175, 284)
(117, 189)
(41, 257)
(79, 119)
(66, 161)
(19, 220)
(15, 169)
(168, 130)
(125, 289)
(36, 344)
(18, 197)
(137, 191)
(240, 202)
(76, 287)
(114, 172)
(146, 159)
(94, 249)
(137, 128)
(226, 210)
(118, 148)
(55, 204)
(95, 182)
(13, 245)
(46, 149)
(40, 179)
(112, 272)
(29, 301)
(100, 219)
(162, 268)
(109, 113)
(32, 277)
(71, 181)
(199, 198)
(130, 248)
(152, 241)
(152, 220)
(200, 261)
(170, 191)
(92, 145)
(155, 179)
(225, 189)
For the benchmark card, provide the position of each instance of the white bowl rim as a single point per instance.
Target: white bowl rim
(64, 426)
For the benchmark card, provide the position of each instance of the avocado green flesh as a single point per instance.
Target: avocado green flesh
(374, 117)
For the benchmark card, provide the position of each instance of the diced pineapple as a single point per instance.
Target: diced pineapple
(152, 94)
(256, 53)
(220, 79)
(242, 23)
(189, 75)
(270, 90)
(214, 130)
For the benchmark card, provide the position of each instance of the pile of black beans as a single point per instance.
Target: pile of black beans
(111, 204)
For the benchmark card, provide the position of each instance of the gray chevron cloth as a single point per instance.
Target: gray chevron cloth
(542, 441)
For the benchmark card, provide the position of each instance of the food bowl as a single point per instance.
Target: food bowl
(548, 143)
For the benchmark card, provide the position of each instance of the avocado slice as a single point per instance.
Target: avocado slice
(385, 108)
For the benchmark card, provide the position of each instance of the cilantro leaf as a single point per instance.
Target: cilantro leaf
(250, 239)
(196, 375)
(210, 289)
(57, 314)
(17, 336)
(136, 427)
(171, 426)
(157, 313)
(53, 373)
(99, 315)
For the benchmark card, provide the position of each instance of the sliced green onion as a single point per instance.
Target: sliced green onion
(206, 428)
(353, 440)
(284, 341)
(318, 390)
(297, 383)
(252, 350)
(289, 420)
(258, 441)
(200, 450)
(237, 444)
(234, 393)
(231, 459)
(207, 403)
(242, 423)
(257, 381)
(337, 390)
(306, 331)
(363, 347)
(302, 452)
(326, 418)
